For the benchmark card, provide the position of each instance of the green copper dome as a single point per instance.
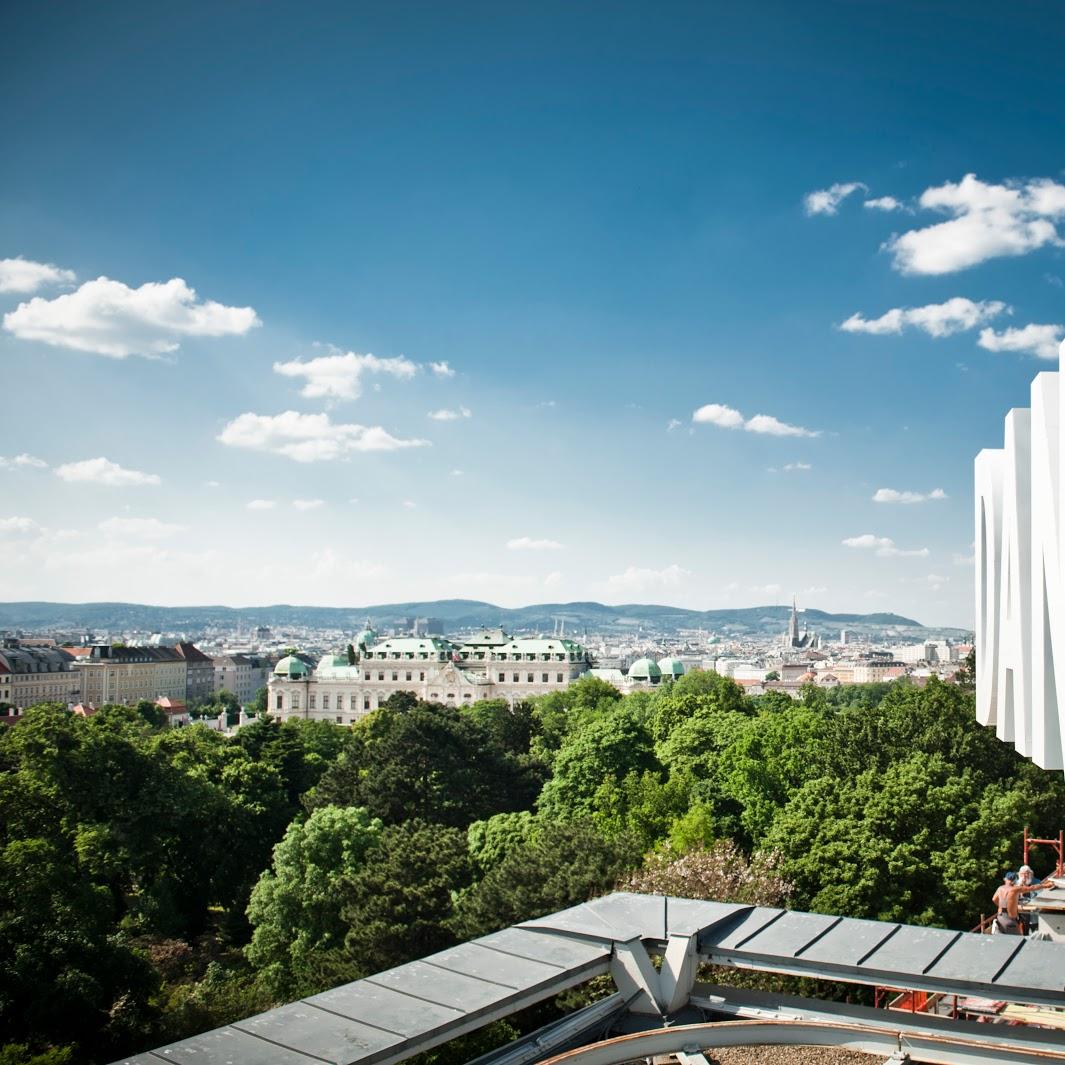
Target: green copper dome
(291, 667)
(367, 638)
(644, 669)
(671, 667)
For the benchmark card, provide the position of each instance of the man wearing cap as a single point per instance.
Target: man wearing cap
(1025, 880)
(1006, 898)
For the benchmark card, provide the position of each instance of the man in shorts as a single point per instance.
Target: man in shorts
(1007, 899)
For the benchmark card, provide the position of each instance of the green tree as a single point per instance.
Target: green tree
(561, 865)
(398, 905)
(491, 840)
(609, 746)
(295, 908)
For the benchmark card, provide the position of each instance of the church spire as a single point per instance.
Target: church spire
(793, 631)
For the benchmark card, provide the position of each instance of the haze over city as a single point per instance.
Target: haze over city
(517, 305)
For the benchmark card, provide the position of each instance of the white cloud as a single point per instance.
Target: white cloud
(103, 471)
(445, 415)
(640, 579)
(212, 484)
(884, 203)
(308, 504)
(932, 581)
(988, 221)
(720, 415)
(553, 579)
(330, 565)
(409, 504)
(883, 546)
(456, 473)
(16, 526)
(770, 590)
(109, 318)
(827, 201)
(142, 528)
(25, 276)
(935, 319)
(441, 369)
(797, 466)
(339, 375)
(728, 418)
(1040, 340)
(527, 543)
(23, 461)
(963, 560)
(674, 423)
(261, 504)
(308, 437)
(891, 495)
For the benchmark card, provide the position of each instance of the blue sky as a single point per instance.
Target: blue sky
(597, 216)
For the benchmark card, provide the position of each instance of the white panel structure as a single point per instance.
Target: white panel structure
(989, 469)
(1013, 699)
(1020, 599)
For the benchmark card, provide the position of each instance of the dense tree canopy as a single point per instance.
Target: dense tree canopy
(155, 882)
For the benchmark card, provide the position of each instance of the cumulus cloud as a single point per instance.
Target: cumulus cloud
(339, 374)
(23, 461)
(261, 504)
(25, 276)
(883, 203)
(308, 437)
(446, 415)
(527, 543)
(935, 319)
(109, 318)
(308, 504)
(441, 369)
(141, 528)
(987, 221)
(891, 495)
(16, 526)
(1042, 341)
(883, 546)
(103, 471)
(640, 579)
(728, 418)
(827, 201)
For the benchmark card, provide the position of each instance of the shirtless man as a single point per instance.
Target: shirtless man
(1007, 898)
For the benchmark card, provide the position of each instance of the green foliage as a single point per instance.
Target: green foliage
(606, 747)
(490, 841)
(295, 907)
(434, 763)
(560, 865)
(397, 907)
(20, 1054)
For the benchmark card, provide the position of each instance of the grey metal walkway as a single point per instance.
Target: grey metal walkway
(403, 1011)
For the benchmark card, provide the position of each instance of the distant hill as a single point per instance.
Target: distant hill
(454, 613)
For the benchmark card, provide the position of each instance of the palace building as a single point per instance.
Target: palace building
(491, 665)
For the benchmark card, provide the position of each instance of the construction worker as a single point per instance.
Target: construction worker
(1007, 898)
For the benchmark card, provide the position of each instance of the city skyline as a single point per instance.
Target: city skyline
(710, 311)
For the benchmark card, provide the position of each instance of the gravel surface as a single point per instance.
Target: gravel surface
(790, 1056)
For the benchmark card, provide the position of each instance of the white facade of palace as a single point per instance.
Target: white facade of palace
(1020, 594)
(490, 666)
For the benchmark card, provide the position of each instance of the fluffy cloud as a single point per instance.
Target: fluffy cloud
(308, 437)
(441, 369)
(308, 504)
(103, 471)
(25, 276)
(720, 415)
(339, 375)
(141, 528)
(988, 221)
(261, 504)
(827, 201)
(450, 415)
(883, 203)
(1039, 340)
(883, 546)
(16, 526)
(527, 543)
(728, 418)
(936, 319)
(640, 579)
(891, 495)
(109, 318)
(23, 461)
